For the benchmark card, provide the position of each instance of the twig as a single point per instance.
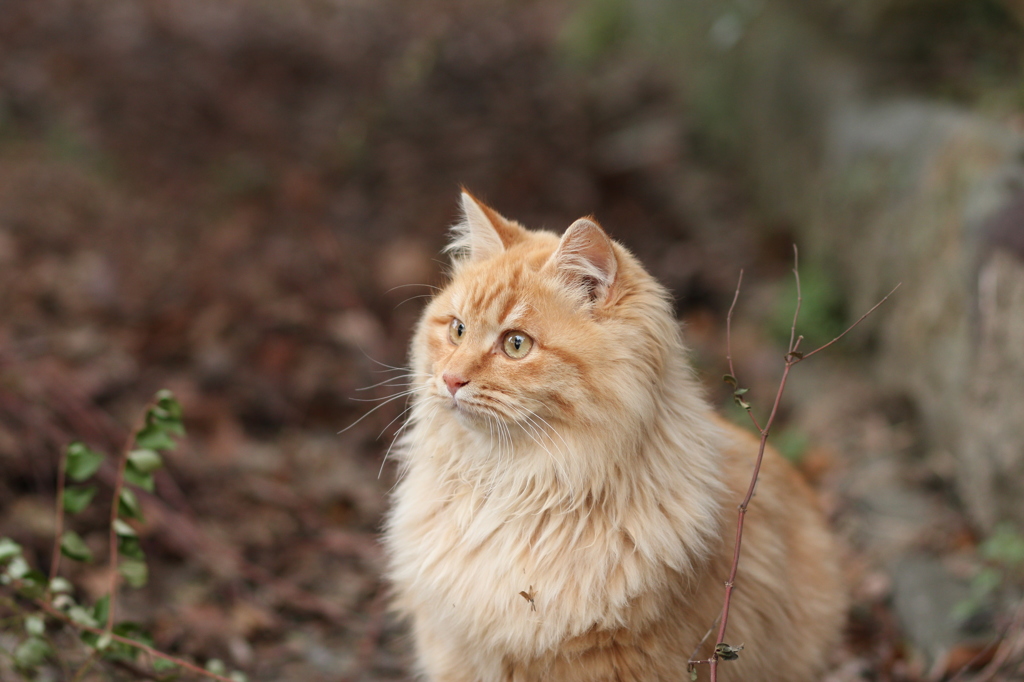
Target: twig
(87, 666)
(1007, 648)
(115, 509)
(859, 319)
(55, 562)
(728, 345)
(730, 583)
(693, 660)
(64, 618)
(799, 297)
(793, 356)
(728, 325)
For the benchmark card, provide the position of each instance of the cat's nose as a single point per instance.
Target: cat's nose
(453, 382)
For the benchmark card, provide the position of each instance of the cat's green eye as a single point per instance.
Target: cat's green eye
(516, 345)
(456, 330)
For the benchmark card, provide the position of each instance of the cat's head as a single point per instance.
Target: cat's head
(535, 328)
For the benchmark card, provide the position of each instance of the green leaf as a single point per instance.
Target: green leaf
(166, 400)
(163, 420)
(129, 546)
(34, 625)
(1005, 546)
(238, 676)
(33, 585)
(122, 529)
(136, 477)
(73, 547)
(728, 653)
(8, 550)
(740, 391)
(134, 571)
(78, 498)
(120, 651)
(741, 402)
(730, 379)
(82, 616)
(101, 609)
(153, 437)
(82, 462)
(145, 461)
(986, 581)
(216, 666)
(18, 568)
(31, 653)
(60, 585)
(129, 505)
(693, 675)
(161, 665)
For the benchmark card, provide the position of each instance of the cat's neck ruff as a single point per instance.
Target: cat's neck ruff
(536, 465)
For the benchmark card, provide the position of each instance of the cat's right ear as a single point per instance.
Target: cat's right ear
(482, 232)
(586, 260)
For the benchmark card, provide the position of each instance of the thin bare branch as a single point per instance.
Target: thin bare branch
(693, 657)
(1011, 645)
(728, 342)
(728, 325)
(799, 298)
(115, 508)
(59, 525)
(61, 616)
(859, 320)
(792, 357)
(730, 583)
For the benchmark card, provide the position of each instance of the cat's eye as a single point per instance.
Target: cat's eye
(456, 330)
(516, 345)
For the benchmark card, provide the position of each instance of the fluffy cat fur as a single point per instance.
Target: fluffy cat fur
(570, 515)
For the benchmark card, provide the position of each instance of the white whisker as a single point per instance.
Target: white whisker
(389, 400)
(532, 429)
(383, 364)
(403, 286)
(408, 375)
(410, 391)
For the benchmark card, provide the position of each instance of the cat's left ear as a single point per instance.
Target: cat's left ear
(586, 259)
(483, 232)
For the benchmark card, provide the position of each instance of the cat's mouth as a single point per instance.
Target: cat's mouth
(466, 408)
(462, 406)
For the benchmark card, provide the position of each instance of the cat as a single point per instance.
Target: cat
(566, 507)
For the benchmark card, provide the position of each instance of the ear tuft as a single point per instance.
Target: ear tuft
(482, 232)
(586, 259)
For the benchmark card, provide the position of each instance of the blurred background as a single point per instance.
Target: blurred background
(242, 200)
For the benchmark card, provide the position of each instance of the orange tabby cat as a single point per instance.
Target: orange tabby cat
(567, 502)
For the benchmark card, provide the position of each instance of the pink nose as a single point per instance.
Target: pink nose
(454, 383)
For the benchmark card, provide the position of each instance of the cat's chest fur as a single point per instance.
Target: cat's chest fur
(496, 559)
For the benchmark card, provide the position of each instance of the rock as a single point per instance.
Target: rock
(925, 597)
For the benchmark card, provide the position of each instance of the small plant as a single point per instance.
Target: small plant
(793, 356)
(39, 604)
(1001, 572)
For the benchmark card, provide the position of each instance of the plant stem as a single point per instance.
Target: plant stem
(792, 357)
(115, 509)
(51, 610)
(59, 530)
